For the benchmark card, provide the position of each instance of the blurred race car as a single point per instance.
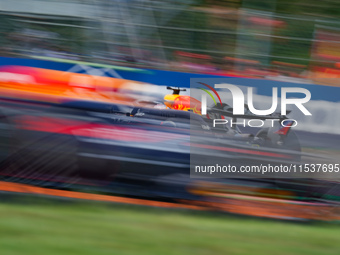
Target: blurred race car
(103, 140)
(276, 136)
(71, 136)
(65, 88)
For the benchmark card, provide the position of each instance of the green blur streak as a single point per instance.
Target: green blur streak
(209, 94)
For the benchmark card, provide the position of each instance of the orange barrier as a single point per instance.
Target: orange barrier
(28, 189)
(276, 209)
(237, 205)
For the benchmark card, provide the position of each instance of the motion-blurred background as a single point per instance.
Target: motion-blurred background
(74, 78)
(297, 39)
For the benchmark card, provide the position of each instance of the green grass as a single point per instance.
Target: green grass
(95, 228)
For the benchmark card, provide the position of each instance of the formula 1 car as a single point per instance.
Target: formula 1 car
(280, 135)
(104, 140)
(40, 85)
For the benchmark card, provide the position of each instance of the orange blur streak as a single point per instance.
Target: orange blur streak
(55, 85)
(252, 208)
(272, 209)
(24, 188)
